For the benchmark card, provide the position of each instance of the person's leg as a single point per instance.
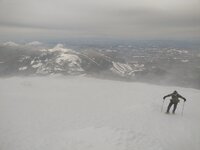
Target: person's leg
(175, 105)
(169, 106)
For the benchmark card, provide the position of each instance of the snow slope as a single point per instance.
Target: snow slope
(55, 113)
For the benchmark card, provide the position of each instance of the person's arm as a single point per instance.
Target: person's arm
(182, 98)
(167, 96)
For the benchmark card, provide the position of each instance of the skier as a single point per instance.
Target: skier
(174, 100)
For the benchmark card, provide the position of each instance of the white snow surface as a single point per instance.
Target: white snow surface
(36, 65)
(23, 68)
(60, 48)
(10, 43)
(34, 43)
(59, 113)
(122, 69)
(73, 59)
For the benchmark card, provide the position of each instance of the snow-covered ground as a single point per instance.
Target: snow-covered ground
(55, 113)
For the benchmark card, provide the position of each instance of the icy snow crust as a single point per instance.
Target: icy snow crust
(79, 113)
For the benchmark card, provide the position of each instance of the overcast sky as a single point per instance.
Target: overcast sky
(137, 19)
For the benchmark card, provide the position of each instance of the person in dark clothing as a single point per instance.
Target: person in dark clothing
(174, 100)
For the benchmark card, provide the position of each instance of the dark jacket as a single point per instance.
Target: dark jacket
(175, 97)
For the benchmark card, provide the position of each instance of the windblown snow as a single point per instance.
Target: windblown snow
(57, 113)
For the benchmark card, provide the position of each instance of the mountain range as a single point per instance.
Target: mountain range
(152, 64)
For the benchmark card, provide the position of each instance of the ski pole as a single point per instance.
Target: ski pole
(162, 105)
(182, 108)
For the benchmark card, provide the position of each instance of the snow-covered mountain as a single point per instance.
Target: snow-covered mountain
(52, 61)
(153, 64)
(60, 60)
(78, 113)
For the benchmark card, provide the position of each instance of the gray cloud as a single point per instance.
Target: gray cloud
(113, 18)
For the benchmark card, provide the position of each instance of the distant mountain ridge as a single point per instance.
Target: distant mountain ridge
(60, 60)
(152, 64)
